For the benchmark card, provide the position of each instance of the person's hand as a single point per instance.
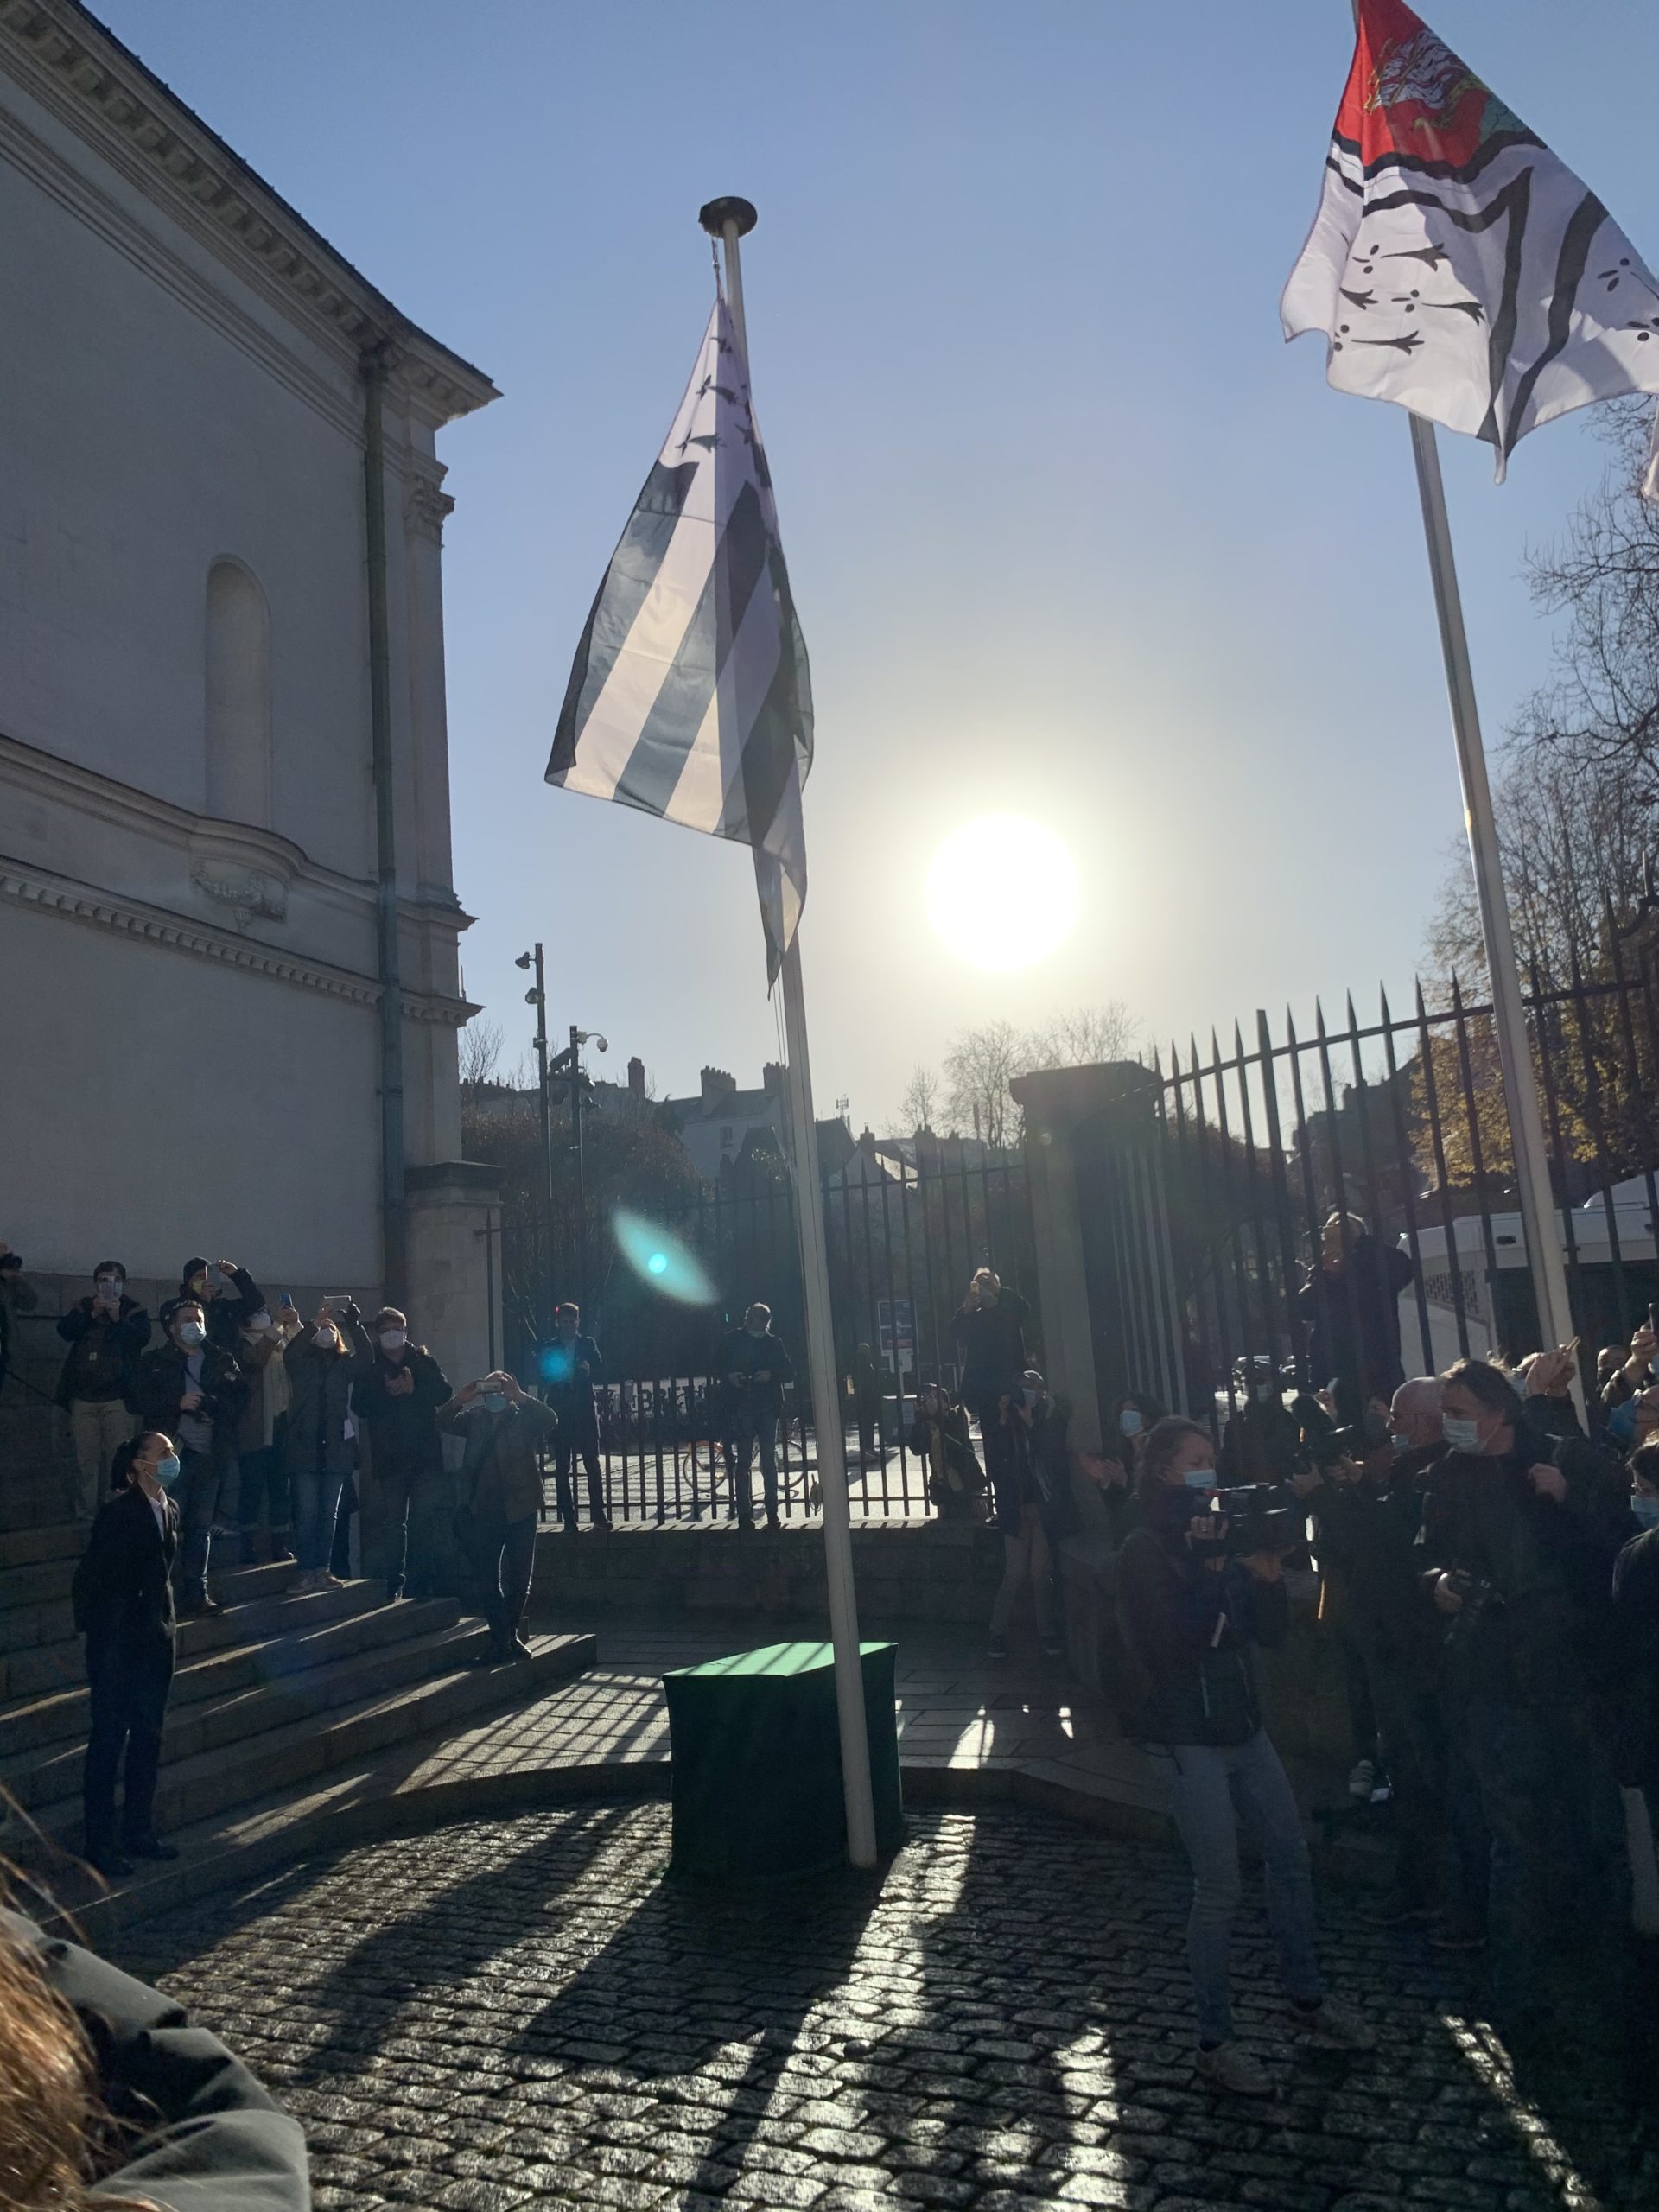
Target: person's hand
(1345, 1469)
(1263, 1567)
(1549, 1375)
(468, 1391)
(1547, 1482)
(189, 1401)
(400, 1384)
(583, 1369)
(1642, 1346)
(323, 1315)
(353, 1312)
(509, 1387)
(227, 1268)
(972, 1300)
(761, 1374)
(1305, 1480)
(1446, 1600)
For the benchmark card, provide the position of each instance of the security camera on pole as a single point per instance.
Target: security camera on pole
(690, 699)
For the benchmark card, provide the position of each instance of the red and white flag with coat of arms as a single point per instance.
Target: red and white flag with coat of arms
(1455, 265)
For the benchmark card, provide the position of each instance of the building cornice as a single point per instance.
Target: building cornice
(61, 896)
(83, 73)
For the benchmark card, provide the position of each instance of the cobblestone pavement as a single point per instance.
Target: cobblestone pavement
(525, 2012)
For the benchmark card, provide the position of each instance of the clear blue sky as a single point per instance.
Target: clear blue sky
(1071, 531)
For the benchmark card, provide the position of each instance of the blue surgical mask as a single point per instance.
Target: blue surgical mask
(494, 1401)
(1400, 1443)
(167, 1471)
(1645, 1509)
(1461, 1435)
(1199, 1478)
(1129, 1423)
(191, 1333)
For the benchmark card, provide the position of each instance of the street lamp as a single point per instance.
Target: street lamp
(536, 996)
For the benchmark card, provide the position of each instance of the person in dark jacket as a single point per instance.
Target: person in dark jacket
(123, 1600)
(572, 1368)
(989, 1333)
(1519, 1532)
(1032, 1495)
(106, 1334)
(506, 1431)
(1261, 1440)
(17, 1296)
(756, 1368)
(1350, 1306)
(397, 1402)
(323, 1362)
(940, 1438)
(1189, 1617)
(196, 2132)
(866, 1385)
(227, 1295)
(195, 1392)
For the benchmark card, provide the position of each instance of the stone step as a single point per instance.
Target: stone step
(26, 1547)
(193, 1789)
(35, 1595)
(63, 1715)
(242, 1720)
(60, 1663)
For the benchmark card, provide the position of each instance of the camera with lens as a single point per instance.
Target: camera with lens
(1475, 1596)
(1258, 1518)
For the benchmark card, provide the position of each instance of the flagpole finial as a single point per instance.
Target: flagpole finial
(728, 209)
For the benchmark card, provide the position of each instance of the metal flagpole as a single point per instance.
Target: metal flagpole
(730, 219)
(1538, 1213)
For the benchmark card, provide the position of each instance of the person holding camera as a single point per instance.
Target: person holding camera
(573, 1370)
(192, 1391)
(106, 1334)
(1519, 1532)
(756, 1368)
(940, 1438)
(1192, 1607)
(319, 1450)
(1031, 1492)
(505, 1430)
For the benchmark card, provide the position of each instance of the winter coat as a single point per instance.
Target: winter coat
(990, 1342)
(1367, 1542)
(257, 1356)
(121, 1593)
(102, 1348)
(319, 1383)
(1188, 1628)
(501, 1475)
(1634, 1662)
(161, 1379)
(403, 1430)
(570, 1392)
(226, 1313)
(741, 1357)
(1352, 1315)
(956, 1481)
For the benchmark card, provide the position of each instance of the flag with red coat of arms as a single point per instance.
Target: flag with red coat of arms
(1455, 265)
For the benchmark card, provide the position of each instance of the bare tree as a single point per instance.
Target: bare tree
(978, 1069)
(480, 1052)
(1085, 1038)
(921, 1100)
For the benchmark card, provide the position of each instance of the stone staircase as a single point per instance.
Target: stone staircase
(274, 1691)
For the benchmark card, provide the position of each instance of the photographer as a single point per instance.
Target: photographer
(989, 1333)
(192, 1391)
(1190, 1611)
(938, 1436)
(756, 1368)
(1519, 1532)
(1031, 1489)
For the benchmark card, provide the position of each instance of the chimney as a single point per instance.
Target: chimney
(867, 1141)
(772, 1078)
(636, 1077)
(715, 1084)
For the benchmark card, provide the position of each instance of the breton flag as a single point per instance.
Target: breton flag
(691, 698)
(1455, 265)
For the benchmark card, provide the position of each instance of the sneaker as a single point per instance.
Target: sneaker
(997, 1648)
(1337, 2023)
(1230, 2066)
(201, 1607)
(1362, 1779)
(1395, 1911)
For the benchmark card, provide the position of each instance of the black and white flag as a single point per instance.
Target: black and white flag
(691, 698)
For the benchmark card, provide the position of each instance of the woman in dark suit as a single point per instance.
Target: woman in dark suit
(123, 1600)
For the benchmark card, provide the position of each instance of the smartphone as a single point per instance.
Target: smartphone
(286, 1299)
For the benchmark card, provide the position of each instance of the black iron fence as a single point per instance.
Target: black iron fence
(661, 1283)
(1214, 1217)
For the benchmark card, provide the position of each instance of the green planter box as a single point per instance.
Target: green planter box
(757, 1762)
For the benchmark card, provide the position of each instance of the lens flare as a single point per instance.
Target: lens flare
(1002, 892)
(664, 1261)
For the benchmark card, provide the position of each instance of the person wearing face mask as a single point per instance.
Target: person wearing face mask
(1134, 1418)
(323, 1362)
(756, 1368)
(195, 1392)
(262, 1486)
(989, 1332)
(506, 1432)
(227, 1295)
(105, 1333)
(1260, 1440)
(1520, 1530)
(1031, 1489)
(940, 1438)
(572, 1370)
(123, 1600)
(1190, 1617)
(397, 1401)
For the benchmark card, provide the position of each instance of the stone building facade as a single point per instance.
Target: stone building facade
(193, 963)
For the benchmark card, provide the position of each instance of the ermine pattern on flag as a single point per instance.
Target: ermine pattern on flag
(1455, 265)
(691, 696)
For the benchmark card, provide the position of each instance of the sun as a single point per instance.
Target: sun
(1002, 892)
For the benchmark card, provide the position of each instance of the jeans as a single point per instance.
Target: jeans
(396, 1536)
(264, 1489)
(749, 1430)
(572, 1444)
(1026, 1560)
(317, 1502)
(1201, 1778)
(198, 1498)
(129, 1705)
(96, 1427)
(503, 1555)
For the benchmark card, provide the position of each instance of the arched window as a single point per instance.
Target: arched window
(238, 697)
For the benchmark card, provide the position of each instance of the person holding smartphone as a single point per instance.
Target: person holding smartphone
(1190, 1616)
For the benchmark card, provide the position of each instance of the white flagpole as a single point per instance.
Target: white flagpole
(1538, 1214)
(733, 219)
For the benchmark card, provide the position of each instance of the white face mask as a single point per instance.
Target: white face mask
(1129, 1423)
(1461, 1435)
(191, 1333)
(393, 1340)
(324, 1337)
(257, 1324)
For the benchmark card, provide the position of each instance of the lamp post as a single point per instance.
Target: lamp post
(536, 996)
(567, 1068)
